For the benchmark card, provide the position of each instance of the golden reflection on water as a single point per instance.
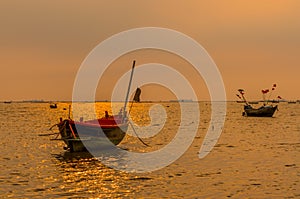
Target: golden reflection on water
(84, 175)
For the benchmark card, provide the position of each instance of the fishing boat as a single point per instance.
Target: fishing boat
(263, 111)
(96, 134)
(93, 133)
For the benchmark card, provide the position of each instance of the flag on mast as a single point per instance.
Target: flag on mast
(137, 94)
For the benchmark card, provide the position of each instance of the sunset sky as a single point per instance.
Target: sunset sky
(43, 43)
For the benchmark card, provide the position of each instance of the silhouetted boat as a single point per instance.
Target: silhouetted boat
(53, 105)
(263, 111)
(7, 102)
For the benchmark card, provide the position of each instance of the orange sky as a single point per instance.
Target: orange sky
(43, 43)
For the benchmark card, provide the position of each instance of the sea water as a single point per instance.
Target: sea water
(253, 157)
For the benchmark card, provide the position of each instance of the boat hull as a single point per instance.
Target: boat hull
(78, 136)
(264, 111)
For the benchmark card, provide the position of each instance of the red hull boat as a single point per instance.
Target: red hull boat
(93, 134)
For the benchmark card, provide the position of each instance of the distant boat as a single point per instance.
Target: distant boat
(292, 102)
(7, 102)
(254, 102)
(274, 101)
(53, 105)
(182, 100)
(263, 111)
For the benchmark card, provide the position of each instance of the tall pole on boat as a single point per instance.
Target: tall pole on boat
(128, 90)
(69, 111)
(242, 94)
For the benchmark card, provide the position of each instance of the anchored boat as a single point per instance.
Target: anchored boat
(263, 111)
(94, 133)
(98, 133)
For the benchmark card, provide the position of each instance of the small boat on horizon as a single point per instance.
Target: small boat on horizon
(274, 101)
(53, 105)
(263, 111)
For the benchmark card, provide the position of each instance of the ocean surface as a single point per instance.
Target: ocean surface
(253, 158)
